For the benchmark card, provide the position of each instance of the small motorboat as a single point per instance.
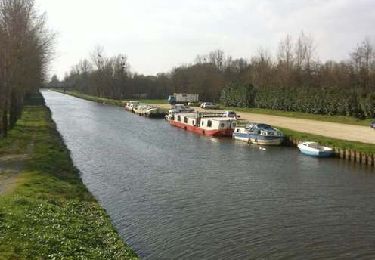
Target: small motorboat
(315, 149)
(261, 134)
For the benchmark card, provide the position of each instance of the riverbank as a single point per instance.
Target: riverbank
(108, 101)
(45, 209)
(297, 115)
(338, 133)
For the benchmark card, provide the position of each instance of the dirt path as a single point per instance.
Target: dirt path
(8, 180)
(334, 130)
(11, 167)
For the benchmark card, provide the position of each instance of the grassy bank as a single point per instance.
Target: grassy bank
(337, 143)
(326, 118)
(48, 212)
(108, 101)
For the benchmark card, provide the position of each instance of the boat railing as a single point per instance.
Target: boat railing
(211, 114)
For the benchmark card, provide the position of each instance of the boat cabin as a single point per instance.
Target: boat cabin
(208, 123)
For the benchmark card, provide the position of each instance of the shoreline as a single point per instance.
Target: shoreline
(48, 212)
(363, 153)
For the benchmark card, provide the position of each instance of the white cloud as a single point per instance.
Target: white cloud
(160, 34)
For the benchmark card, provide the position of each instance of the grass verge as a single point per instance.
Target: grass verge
(50, 214)
(109, 101)
(326, 118)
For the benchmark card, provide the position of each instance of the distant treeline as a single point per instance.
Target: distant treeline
(25, 46)
(293, 80)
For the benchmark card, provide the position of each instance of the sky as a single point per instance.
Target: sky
(158, 35)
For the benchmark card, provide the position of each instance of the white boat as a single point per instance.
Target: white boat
(315, 149)
(131, 105)
(261, 134)
(141, 109)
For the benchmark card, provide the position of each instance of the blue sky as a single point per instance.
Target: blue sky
(157, 35)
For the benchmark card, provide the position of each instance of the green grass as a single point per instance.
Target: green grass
(326, 118)
(50, 214)
(109, 101)
(151, 101)
(331, 142)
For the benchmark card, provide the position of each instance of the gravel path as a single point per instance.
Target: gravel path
(334, 130)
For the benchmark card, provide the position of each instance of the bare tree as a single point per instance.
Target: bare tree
(26, 46)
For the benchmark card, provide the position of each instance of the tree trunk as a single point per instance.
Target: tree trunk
(4, 121)
(13, 109)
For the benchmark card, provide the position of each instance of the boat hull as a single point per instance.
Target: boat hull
(315, 152)
(197, 130)
(156, 115)
(258, 139)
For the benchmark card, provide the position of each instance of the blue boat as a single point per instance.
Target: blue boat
(261, 134)
(316, 150)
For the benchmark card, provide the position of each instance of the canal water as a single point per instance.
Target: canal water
(176, 195)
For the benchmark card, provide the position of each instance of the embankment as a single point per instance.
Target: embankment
(47, 212)
(351, 139)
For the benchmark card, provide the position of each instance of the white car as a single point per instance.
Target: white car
(231, 114)
(178, 108)
(208, 105)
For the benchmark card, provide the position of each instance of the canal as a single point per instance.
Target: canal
(176, 195)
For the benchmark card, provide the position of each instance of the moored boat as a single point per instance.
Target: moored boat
(315, 149)
(256, 133)
(131, 105)
(155, 112)
(141, 109)
(209, 124)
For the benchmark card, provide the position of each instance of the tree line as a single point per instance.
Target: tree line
(25, 47)
(293, 80)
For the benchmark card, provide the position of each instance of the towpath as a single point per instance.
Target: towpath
(329, 129)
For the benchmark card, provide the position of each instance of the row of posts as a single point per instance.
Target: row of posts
(347, 154)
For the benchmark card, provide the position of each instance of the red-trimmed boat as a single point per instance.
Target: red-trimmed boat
(209, 124)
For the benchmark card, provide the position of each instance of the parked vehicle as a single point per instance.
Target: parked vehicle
(372, 125)
(209, 105)
(210, 124)
(179, 108)
(182, 98)
(316, 150)
(256, 133)
(231, 114)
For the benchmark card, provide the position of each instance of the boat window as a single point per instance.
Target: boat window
(185, 119)
(193, 122)
(202, 123)
(222, 125)
(179, 118)
(238, 130)
(209, 123)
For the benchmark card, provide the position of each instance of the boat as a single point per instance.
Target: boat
(155, 112)
(141, 109)
(131, 105)
(258, 133)
(315, 149)
(209, 124)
